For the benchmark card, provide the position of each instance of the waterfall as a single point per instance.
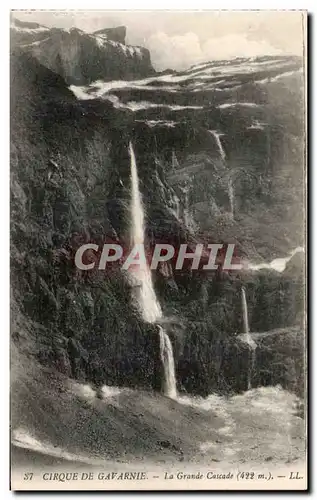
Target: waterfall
(248, 337)
(245, 312)
(145, 293)
(150, 307)
(167, 359)
(231, 197)
(186, 215)
(222, 153)
(216, 135)
(176, 210)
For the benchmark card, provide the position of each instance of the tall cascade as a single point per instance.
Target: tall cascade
(216, 135)
(248, 337)
(146, 298)
(223, 156)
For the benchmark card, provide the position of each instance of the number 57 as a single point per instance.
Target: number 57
(28, 476)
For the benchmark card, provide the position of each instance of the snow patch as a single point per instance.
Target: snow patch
(285, 74)
(100, 41)
(227, 105)
(257, 125)
(137, 106)
(36, 43)
(162, 123)
(24, 439)
(40, 29)
(141, 105)
(278, 264)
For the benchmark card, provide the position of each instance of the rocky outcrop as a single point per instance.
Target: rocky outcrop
(115, 34)
(80, 57)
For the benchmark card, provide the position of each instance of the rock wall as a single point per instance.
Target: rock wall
(70, 184)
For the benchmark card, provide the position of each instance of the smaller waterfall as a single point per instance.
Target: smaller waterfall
(245, 312)
(223, 156)
(231, 197)
(186, 216)
(167, 358)
(175, 163)
(216, 135)
(176, 206)
(248, 337)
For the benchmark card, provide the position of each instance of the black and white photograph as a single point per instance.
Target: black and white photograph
(158, 178)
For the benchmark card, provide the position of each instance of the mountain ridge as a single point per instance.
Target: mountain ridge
(82, 57)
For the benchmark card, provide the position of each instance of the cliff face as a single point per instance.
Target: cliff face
(80, 57)
(115, 34)
(226, 138)
(219, 150)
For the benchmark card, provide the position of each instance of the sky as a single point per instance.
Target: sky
(179, 39)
